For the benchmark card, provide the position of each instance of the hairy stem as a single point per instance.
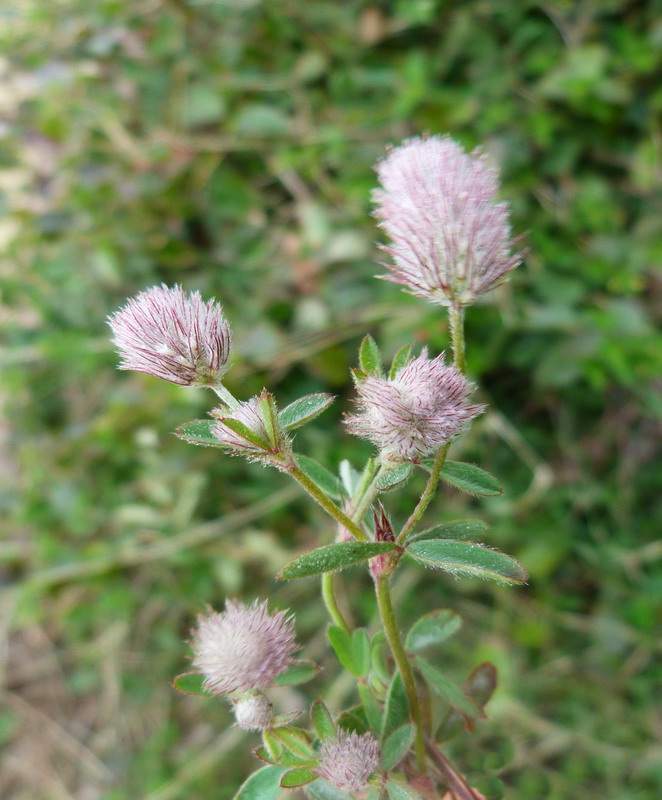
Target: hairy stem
(426, 497)
(328, 505)
(390, 625)
(226, 396)
(456, 319)
(456, 782)
(367, 498)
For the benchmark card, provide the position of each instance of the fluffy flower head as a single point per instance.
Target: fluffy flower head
(451, 240)
(348, 761)
(174, 336)
(409, 417)
(242, 647)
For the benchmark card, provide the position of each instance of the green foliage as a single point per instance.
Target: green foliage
(228, 146)
(467, 558)
(470, 479)
(432, 628)
(332, 557)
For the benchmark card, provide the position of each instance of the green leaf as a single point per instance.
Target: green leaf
(370, 706)
(322, 790)
(369, 357)
(245, 432)
(396, 706)
(332, 557)
(294, 778)
(198, 431)
(361, 651)
(261, 785)
(479, 687)
(264, 755)
(296, 741)
(268, 412)
(465, 558)
(401, 791)
(391, 478)
(296, 673)
(450, 691)
(354, 719)
(349, 477)
(191, 683)
(432, 628)
(377, 656)
(322, 721)
(471, 479)
(272, 744)
(342, 645)
(320, 476)
(304, 410)
(396, 746)
(400, 360)
(459, 529)
(279, 720)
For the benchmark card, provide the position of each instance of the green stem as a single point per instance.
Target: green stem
(329, 597)
(456, 320)
(226, 396)
(328, 505)
(369, 494)
(390, 625)
(426, 497)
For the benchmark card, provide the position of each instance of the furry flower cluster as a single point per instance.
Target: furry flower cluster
(451, 241)
(349, 760)
(410, 416)
(243, 647)
(173, 336)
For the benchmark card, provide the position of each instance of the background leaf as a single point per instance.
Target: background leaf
(471, 479)
(332, 557)
(464, 558)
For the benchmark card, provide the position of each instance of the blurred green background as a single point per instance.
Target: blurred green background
(229, 146)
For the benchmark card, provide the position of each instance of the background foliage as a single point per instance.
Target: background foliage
(228, 146)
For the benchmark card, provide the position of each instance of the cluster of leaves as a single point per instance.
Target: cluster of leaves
(227, 145)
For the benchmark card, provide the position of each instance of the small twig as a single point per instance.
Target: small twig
(456, 782)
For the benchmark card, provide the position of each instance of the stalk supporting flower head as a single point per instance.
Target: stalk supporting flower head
(410, 416)
(243, 647)
(451, 240)
(253, 711)
(174, 336)
(349, 760)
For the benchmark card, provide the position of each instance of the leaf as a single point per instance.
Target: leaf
(294, 778)
(342, 645)
(284, 719)
(479, 686)
(245, 432)
(459, 529)
(191, 683)
(272, 744)
(354, 719)
(465, 558)
(332, 557)
(396, 746)
(320, 476)
(396, 706)
(361, 651)
(378, 665)
(391, 478)
(198, 431)
(296, 741)
(322, 721)
(471, 479)
(369, 357)
(263, 754)
(400, 360)
(370, 706)
(432, 628)
(450, 691)
(261, 785)
(401, 791)
(268, 412)
(296, 673)
(349, 477)
(323, 790)
(304, 410)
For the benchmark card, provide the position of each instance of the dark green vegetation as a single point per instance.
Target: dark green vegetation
(228, 146)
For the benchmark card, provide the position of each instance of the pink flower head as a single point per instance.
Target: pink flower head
(348, 761)
(411, 416)
(173, 336)
(451, 240)
(243, 647)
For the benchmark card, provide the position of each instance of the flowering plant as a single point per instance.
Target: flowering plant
(450, 243)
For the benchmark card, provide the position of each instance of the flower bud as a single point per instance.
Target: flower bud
(451, 240)
(179, 338)
(253, 711)
(243, 647)
(349, 760)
